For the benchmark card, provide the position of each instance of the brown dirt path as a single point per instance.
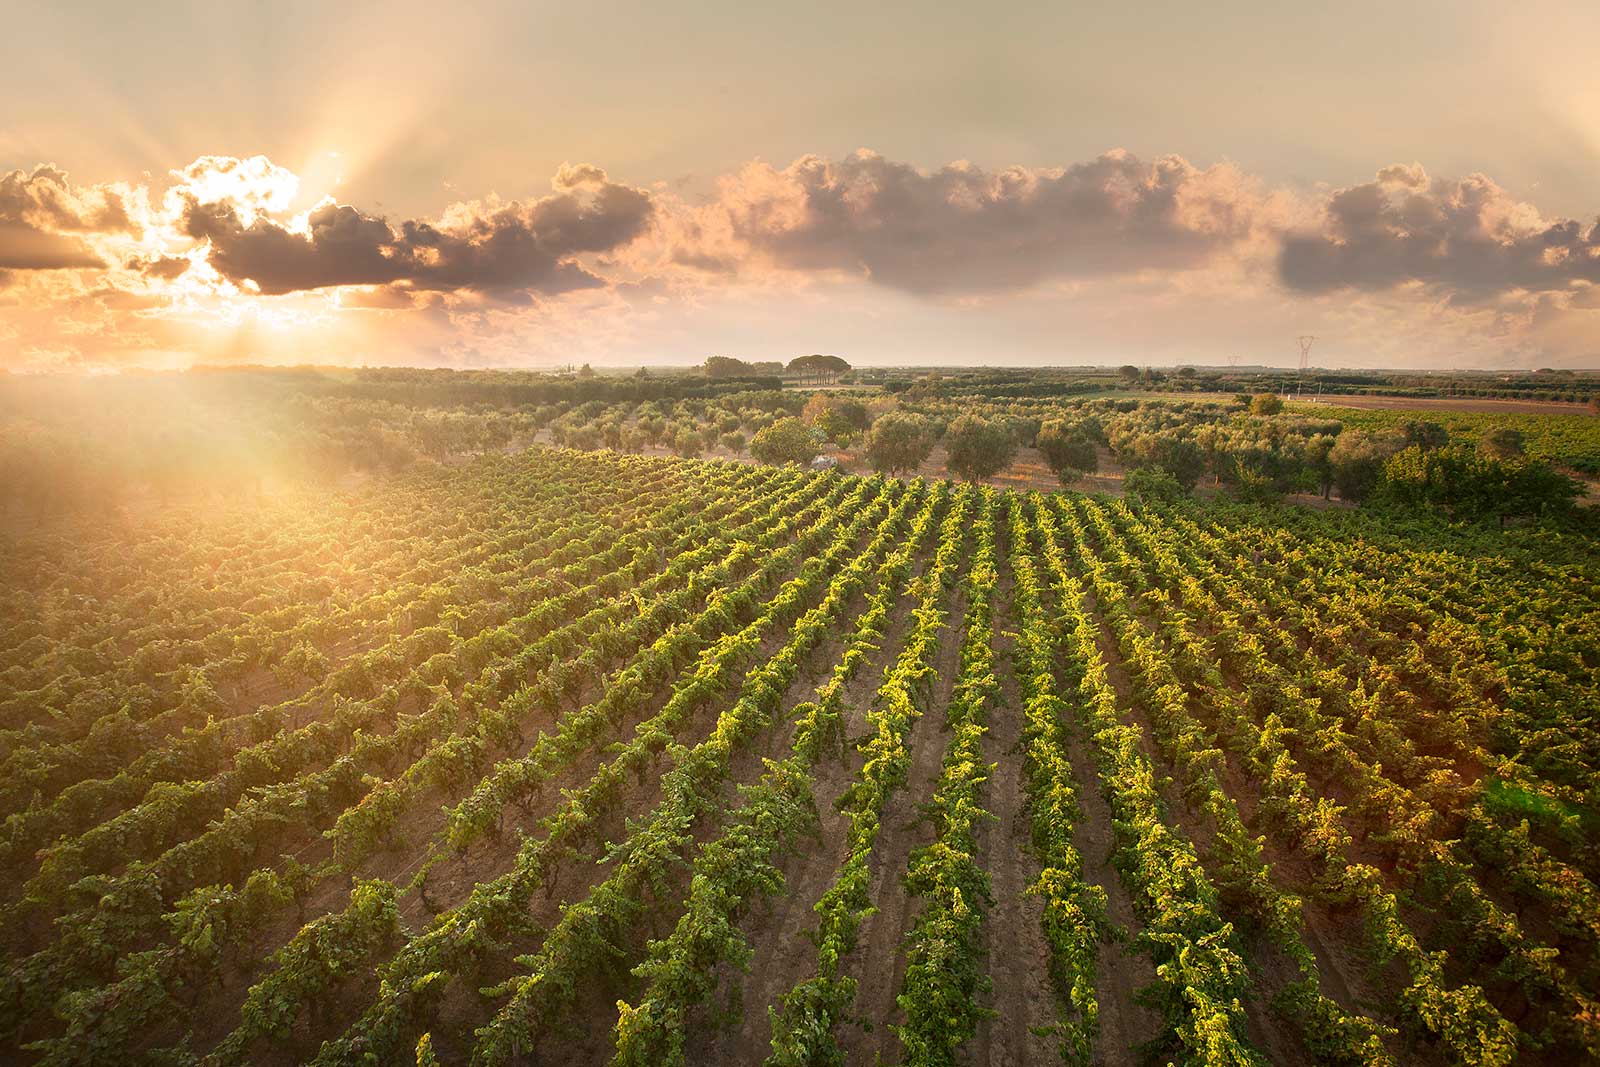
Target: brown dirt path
(777, 931)
(1022, 998)
(878, 961)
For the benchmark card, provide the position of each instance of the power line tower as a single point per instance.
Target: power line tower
(1306, 341)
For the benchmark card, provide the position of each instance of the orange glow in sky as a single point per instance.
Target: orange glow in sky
(532, 186)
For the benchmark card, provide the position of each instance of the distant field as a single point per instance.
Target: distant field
(1566, 438)
(1488, 405)
(1459, 403)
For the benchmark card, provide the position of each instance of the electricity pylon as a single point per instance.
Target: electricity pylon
(1306, 341)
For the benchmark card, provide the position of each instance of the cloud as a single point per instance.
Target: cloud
(44, 218)
(1586, 297)
(340, 246)
(964, 229)
(492, 247)
(1110, 259)
(163, 267)
(1468, 238)
(251, 187)
(46, 199)
(23, 247)
(382, 298)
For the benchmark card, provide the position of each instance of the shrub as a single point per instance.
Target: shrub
(1266, 404)
(1151, 485)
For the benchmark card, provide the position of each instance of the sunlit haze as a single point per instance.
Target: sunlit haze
(920, 534)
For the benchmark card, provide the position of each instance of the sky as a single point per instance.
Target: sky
(485, 185)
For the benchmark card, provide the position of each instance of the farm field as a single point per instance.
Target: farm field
(663, 536)
(578, 757)
(1571, 439)
(1482, 405)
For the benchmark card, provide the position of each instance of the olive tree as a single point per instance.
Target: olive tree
(898, 442)
(1069, 451)
(978, 447)
(789, 440)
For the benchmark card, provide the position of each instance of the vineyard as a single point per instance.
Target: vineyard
(579, 757)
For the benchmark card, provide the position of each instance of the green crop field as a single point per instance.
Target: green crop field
(579, 757)
(1571, 441)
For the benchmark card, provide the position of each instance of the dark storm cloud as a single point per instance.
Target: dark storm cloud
(494, 248)
(962, 228)
(42, 215)
(1466, 236)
